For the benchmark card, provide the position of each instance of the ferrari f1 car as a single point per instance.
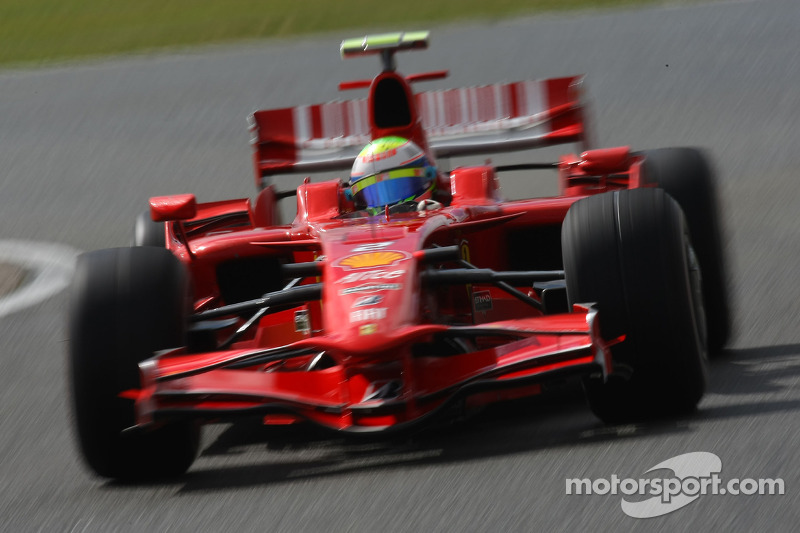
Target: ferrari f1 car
(366, 319)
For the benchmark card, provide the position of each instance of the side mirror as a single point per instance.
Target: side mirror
(171, 208)
(606, 160)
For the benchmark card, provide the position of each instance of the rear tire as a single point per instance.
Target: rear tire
(125, 303)
(630, 253)
(685, 174)
(147, 232)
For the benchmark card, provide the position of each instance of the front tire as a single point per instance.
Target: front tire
(630, 253)
(125, 303)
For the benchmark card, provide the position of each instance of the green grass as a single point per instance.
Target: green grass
(36, 31)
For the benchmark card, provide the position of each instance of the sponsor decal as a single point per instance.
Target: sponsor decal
(482, 301)
(371, 287)
(464, 246)
(370, 158)
(368, 300)
(367, 329)
(372, 259)
(371, 247)
(362, 315)
(371, 274)
(302, 322)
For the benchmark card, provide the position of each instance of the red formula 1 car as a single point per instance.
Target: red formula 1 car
(362, 317)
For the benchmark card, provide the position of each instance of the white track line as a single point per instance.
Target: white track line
(50, 267)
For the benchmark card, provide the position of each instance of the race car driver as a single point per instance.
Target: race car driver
(394, 172)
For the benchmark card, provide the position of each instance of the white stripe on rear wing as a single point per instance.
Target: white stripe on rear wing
(469, 121)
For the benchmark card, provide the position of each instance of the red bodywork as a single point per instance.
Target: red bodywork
(382, 346)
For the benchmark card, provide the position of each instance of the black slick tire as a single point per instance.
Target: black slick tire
(146, 232)
(686, 175)
(125, 304)
(630, 253)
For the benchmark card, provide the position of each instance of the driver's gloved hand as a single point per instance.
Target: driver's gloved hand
(428, 205)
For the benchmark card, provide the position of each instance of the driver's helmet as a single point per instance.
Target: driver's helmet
(388, 171)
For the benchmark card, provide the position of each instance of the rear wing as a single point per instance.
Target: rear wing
(468, 121)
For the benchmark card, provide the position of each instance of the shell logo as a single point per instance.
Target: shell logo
(372, 259)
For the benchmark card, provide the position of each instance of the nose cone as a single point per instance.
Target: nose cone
(366, 304)
(370, 290)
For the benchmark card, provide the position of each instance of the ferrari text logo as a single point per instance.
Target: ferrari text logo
(362, 315)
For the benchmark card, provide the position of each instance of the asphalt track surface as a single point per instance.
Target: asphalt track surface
(82, 147)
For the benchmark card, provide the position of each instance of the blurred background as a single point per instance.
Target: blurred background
(37, 31)
(104, 104)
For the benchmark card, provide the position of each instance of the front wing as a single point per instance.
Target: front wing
(358, 392)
